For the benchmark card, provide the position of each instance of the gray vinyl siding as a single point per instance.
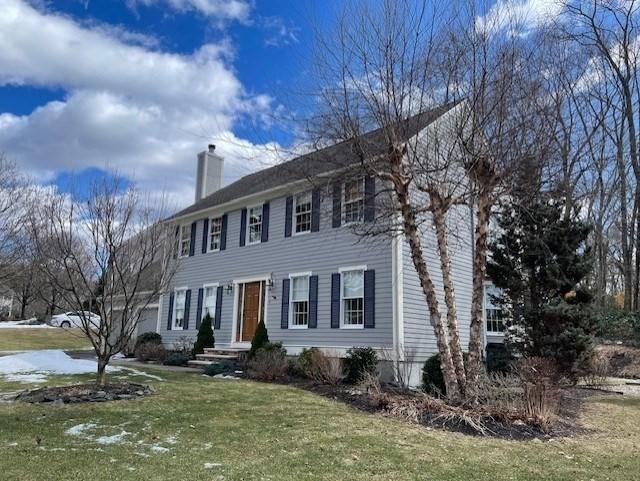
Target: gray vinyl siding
(321, 253)
(418, 332)
(148, 320)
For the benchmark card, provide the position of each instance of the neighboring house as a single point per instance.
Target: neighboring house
(269, 247)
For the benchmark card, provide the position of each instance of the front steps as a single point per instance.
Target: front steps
(216, 355)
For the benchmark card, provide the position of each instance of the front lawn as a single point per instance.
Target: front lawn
(199, 428)
(26, 339)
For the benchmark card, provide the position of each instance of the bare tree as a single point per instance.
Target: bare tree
(111, 253)
(13, 194)
(384, 69)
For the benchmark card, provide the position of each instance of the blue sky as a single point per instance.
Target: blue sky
(140, 86)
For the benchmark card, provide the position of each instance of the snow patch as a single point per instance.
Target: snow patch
(115, 439)
(79, 429)
(34, 378)
(159, 449)
(26, 324)
(142, 373)
(171, 440)
(52, 361)
(211, 465)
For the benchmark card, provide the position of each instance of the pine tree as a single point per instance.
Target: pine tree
(538, 260)
(260, 338)
(205, 337)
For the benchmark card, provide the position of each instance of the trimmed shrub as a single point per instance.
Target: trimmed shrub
(317, 366)
(359, 361)
(617, 325)
(499, 358)
(205, 337)
(260, 339)
(432, 378)
(222, 367)
(268, 363)
(177, 359)
(151, 352)
(147, 338)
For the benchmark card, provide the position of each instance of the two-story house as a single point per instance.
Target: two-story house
(274, 247)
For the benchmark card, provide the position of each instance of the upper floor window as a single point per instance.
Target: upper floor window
(184, 245)
(180, 302)
(302, 213)
(209, 301)
(215, 231)
(299, 301)
(352, 298)
(354, 201)
(494, 314)
(254, 226)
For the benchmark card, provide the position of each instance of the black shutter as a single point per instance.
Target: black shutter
(335, 300)
(315, 210)
(284, 313)
(369, 198)
(192, 246)
(216, 322)
(313, 302)
(199, 308)
(177, 242)
(205, 234)
(370, 299)
(264, 237)
(223, 232)
(187, 303)
(170, 315)
(337, 205)
(243, 227)
(288, 216)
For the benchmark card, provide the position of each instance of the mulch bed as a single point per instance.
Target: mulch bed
(83, 393)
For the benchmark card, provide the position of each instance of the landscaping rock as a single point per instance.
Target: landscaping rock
(82, 393)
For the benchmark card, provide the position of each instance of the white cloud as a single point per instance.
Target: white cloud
(220, 9)
(143, 112)
(520, 15)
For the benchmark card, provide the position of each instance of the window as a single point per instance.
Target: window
(352, 298)
(302, 213)
(185, 240)
(209, 301)
(255, 224)
(178, 318)
(354, 201)
(494, 314)
(299, 301)
(215, 231)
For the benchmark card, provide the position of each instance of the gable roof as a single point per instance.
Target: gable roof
(315, 163)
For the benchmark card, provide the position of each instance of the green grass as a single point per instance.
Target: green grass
(269, 432)
(30, 339)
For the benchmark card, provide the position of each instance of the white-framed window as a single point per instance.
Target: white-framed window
(494, 314)
(299, 301)
(254, 224)
(352, 297)
(354, 201)
(184, 244)
(179, 307)
(302, 213)
(209, 300)
(215, 233)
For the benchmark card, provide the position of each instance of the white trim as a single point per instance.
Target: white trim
(341, 270)
(236, 300)
(397, 295)
(343, 209)
(159, 320)
(204, 296)
(180, 254)
(174, 327)
(293, 213)
(208, 239)
(247, 230)
(290, 320)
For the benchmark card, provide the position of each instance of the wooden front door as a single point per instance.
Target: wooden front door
(251, 310)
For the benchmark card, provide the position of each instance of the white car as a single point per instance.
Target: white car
(74, 319)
